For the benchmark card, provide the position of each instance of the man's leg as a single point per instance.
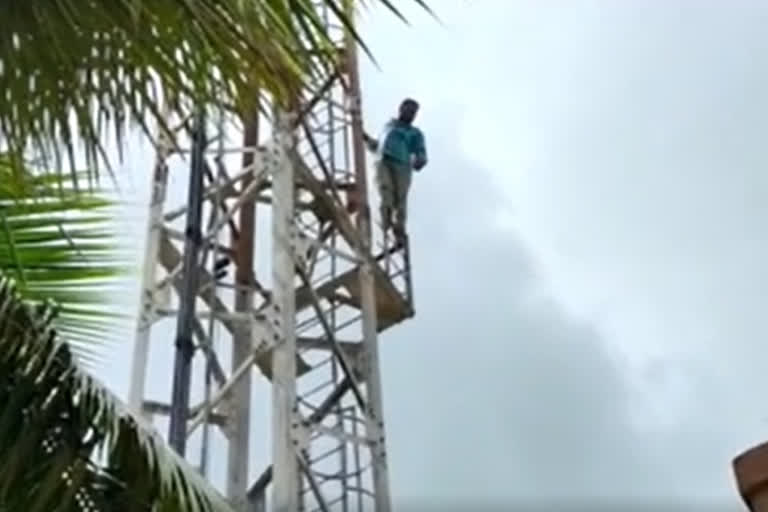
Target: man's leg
(386, 194)
(402, 185)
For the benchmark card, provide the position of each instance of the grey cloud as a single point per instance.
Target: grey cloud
(494, 391)
(641, 128)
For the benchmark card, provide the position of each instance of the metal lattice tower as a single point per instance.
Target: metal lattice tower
(268, 228)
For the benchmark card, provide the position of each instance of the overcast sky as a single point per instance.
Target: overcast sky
(590, 249)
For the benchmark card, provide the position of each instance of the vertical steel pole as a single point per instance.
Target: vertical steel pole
(284, 406)
(182, 370)
(147, 297)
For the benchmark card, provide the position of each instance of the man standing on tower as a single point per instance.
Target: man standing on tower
(400, 150)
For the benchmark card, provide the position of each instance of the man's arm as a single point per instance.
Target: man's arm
(370, 142)
(419, 151)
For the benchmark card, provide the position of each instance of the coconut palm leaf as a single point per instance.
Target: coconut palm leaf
(80, 70)
(59, 245)
(68, 444)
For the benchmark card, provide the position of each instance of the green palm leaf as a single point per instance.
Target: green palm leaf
(67, 440)
(59, 245)
(88, 69)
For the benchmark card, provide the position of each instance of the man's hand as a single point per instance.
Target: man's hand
(419, 162)
(370, 142)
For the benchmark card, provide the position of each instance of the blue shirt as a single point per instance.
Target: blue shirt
(400, 143)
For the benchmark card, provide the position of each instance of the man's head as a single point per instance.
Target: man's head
(408, 110)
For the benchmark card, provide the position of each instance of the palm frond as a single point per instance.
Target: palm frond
(66, 442)
(59, 245)
(73, 71)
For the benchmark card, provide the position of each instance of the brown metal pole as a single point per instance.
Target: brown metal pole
(374, 400)
(359, 193)
(237, 480)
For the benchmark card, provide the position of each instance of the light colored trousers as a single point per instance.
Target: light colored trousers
(394, 184)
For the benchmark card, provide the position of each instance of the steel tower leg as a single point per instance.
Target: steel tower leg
(147, 300)
(285, 468)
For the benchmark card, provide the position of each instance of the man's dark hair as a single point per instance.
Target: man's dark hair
(409, 102)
